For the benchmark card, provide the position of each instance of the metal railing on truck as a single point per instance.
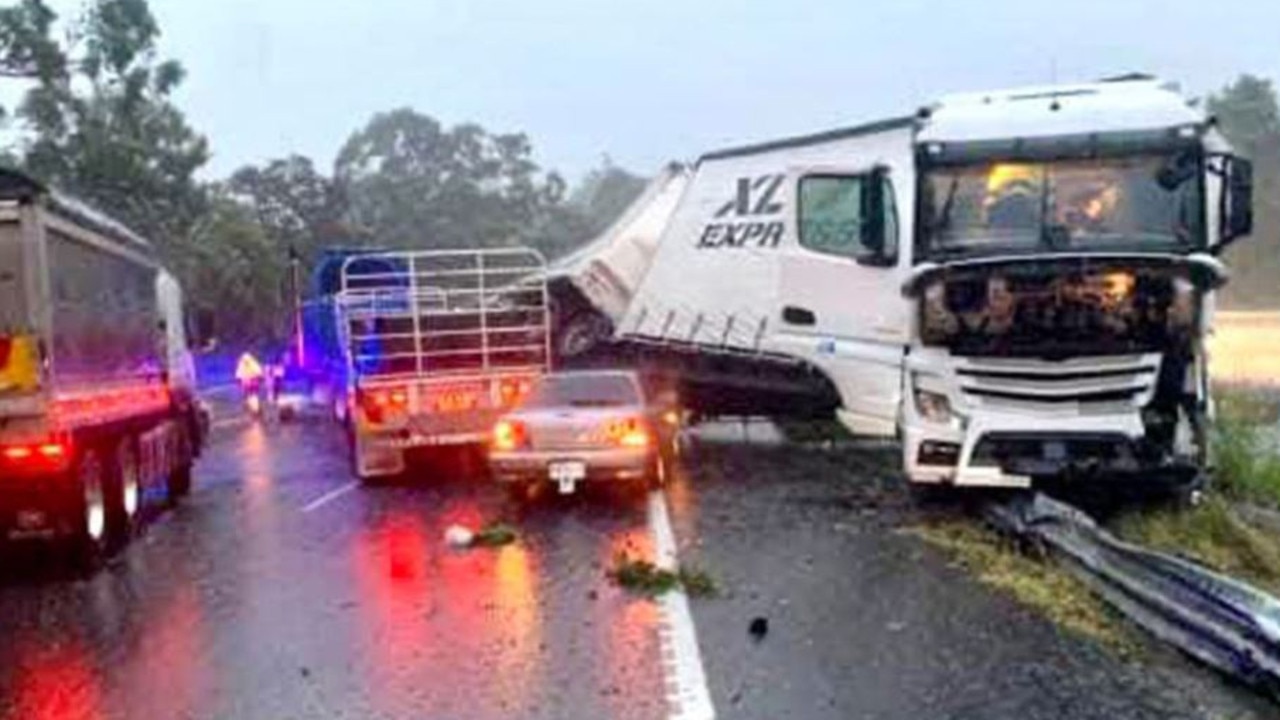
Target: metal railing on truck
(445, 312)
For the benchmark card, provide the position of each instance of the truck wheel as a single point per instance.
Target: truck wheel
(89, 541)
(125, 501)
(178, 483)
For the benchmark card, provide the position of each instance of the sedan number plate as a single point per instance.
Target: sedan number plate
(566, 475)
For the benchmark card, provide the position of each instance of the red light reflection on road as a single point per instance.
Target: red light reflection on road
(174, 651)
(631, 639)
(516, 619)
(55, 683)
(446, 627)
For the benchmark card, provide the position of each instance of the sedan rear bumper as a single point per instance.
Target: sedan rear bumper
(610, 464)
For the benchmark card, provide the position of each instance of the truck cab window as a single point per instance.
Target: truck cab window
(839, 215)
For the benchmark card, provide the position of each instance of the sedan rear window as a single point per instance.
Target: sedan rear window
(584, 391)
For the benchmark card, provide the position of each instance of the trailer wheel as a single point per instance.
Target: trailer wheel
(178, 483)
(124, 504)
(90, 536)
(581, 334)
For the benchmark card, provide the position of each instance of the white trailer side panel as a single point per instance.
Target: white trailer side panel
(716, 276)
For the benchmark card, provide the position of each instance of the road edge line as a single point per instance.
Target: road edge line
(330, 496)
(691, 698)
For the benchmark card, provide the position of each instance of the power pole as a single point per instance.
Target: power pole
(295, 291)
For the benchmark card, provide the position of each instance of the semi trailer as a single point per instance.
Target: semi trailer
(99, 418)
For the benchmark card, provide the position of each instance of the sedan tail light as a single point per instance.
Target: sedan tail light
(509, 435)
(629, 432)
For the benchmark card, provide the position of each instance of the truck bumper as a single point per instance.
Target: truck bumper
(36, 507)
(1008, 422)
(1010, 450)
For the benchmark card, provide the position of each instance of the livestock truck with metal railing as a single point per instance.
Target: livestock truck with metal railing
(99, 420)
(422, 350)
(1017, 284)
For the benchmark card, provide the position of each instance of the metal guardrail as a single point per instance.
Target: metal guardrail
(1218, 620)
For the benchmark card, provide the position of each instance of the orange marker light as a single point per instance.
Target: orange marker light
(508, 435)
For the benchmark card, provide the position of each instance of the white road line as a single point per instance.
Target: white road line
(329, 497)
(688, 695)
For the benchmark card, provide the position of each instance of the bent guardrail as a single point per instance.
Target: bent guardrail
(1218, 620)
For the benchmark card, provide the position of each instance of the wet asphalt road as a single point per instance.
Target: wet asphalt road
(278, 590)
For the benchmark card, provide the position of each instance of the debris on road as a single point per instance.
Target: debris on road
(493, 535)
(697, 582)
(458, 536)
(643, 577)
(758, 628)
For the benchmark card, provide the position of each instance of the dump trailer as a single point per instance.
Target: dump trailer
(435, 345)
(99, 421)
(1017, 284)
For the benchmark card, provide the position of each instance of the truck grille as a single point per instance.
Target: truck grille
(1089, 384)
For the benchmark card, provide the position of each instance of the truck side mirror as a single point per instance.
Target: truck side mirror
(1235, 212)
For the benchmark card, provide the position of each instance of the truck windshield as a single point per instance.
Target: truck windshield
(1147, 202)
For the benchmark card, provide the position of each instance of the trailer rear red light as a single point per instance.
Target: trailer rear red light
(377, 403)
(5, 344)
(20, 452)
(44, 453)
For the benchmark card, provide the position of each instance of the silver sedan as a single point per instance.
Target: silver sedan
(585, 426)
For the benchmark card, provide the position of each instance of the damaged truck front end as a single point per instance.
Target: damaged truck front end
(1085, 366)
(1063, 289)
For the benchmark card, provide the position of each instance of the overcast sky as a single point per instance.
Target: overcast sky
(655, 80)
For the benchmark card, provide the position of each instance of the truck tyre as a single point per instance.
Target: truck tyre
(581, 333)
(124, 499)
(179, 483)
(89, 519)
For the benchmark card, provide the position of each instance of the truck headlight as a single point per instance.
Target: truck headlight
(933, 406)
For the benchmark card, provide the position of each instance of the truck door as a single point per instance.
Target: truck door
(840, 304)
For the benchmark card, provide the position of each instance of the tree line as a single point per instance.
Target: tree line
(99, 121)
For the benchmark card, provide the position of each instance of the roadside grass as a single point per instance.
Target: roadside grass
(1245, 455)
(998, 562)
(1212, 534)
